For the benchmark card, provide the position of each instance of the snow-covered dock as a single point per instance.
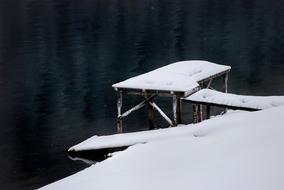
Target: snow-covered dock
(176, 80)
(209, 98)
(125, 139)
(233, 101)
(205, 97)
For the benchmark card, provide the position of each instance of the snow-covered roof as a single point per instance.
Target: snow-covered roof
(254, 102)
(181, 76)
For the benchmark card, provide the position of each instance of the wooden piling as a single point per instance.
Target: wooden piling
(225, 82)
(176, 109)
(119, 106)
(208, 112)
(151, 116)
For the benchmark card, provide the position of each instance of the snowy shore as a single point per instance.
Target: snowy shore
(242, 150)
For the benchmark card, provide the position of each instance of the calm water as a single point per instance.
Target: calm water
(58, 59)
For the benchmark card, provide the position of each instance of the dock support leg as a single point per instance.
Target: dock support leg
(200, 114)
(207, 112)
(176, 109)
(119, 106)
(225, 85)
(151, 116)
(225, 82)
(195, 111)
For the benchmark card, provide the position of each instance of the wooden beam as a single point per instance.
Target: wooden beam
(137, 107)
(155, 106)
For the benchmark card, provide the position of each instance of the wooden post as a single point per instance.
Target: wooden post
(119, 106)
(178, 102)
(200, 114)
(195, 115)
(175, 110)
(151, 116)
(225, 82)
(207, 112)
(225, 85)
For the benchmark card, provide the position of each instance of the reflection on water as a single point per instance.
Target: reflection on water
(58, 59)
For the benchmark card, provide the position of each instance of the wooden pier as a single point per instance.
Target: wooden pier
(176, 81)
(189, 82)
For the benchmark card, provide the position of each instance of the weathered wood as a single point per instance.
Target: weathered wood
(161, 113)
(195, 111)
(225, 86)
(225, 82)
(209, 83)
(176, 109)
(214, 76)
(200, 113)
(137, 107)
(151, 116)
(119, 106)
(208, 112)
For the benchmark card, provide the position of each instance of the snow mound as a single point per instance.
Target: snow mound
(235, 151)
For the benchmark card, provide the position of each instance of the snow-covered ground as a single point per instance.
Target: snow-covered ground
(242, 150)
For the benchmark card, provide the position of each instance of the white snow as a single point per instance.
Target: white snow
(127, 139)
(256, 102)
(243, 150)
(181, 76)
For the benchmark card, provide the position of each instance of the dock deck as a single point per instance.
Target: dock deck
(176, 80)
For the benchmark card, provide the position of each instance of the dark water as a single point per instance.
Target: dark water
(58, 59)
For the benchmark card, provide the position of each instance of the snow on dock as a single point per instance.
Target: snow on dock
(212, 97)
(181, 76)
(126, 139)
(176, 80)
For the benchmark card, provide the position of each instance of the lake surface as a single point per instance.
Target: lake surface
(58, 59)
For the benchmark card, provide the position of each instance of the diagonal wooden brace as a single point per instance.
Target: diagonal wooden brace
(137, 107)
(156, 107)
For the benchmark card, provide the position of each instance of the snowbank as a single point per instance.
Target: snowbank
(235, 151)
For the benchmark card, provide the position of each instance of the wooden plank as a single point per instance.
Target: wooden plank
(137, 107)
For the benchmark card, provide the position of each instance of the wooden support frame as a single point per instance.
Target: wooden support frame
(135, 108)
(176, 102)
